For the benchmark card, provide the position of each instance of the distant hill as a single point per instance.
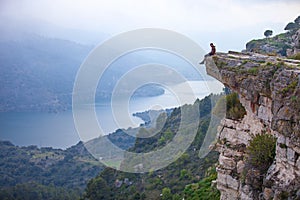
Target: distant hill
(38, 73)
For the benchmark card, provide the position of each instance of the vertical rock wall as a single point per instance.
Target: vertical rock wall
(269, 89)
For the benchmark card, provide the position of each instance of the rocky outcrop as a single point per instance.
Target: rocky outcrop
(269, 89)
(296, 44)
(296, 39)
(281, 44)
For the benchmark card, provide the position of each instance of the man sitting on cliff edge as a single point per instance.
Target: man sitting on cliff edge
(212, 52)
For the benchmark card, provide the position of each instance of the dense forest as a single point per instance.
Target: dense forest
(48, 173)
(43, 173)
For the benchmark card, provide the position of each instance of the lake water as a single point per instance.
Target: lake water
(58, 129)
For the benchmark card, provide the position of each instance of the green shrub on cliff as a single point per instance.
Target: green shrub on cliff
(260, 156)
(235, 110)
(261, 151)
(231, 105)
(204, 189)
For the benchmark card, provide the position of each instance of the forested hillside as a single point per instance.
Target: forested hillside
(171, 181)
(42, 173)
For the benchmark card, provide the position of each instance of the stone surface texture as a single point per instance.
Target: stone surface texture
(269, 89)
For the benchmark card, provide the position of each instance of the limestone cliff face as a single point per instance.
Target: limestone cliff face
(269, 89)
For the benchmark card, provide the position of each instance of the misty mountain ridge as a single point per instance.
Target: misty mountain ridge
(15, 29)
(38, 72)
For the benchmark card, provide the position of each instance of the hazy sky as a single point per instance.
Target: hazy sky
(229, 23)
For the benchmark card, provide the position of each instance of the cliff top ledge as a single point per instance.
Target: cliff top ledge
(259, 78)
(246, 62)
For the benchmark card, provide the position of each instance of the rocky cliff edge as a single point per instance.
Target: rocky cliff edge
(269, 89)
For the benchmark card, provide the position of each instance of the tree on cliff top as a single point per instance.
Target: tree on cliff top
(268, 33)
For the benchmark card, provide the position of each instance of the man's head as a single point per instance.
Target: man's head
(211, 44)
